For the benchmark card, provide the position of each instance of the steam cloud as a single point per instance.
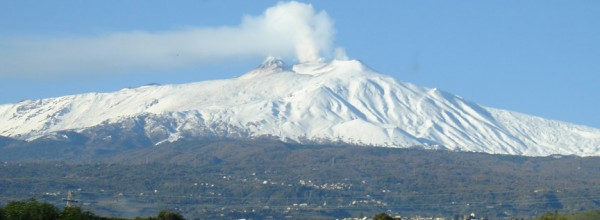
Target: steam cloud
(288, 29)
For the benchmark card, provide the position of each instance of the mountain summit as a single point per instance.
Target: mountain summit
(342, 101)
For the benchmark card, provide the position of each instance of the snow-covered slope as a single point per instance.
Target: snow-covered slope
(341, 101)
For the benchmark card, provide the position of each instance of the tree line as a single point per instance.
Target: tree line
(38, 210)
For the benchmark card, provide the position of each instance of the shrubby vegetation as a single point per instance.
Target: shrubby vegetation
(382, 216)
(163, 215)
(30, 210)
(585, 215)
(33, 209)
(36, 210)
(75, 213)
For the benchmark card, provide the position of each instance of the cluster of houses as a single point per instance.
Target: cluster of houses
(472, 216)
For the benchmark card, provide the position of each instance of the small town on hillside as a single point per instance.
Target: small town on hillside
(471, 216)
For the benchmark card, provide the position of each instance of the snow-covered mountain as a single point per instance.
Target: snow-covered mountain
(338, 102)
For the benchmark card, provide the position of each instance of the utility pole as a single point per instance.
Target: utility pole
(70, 199)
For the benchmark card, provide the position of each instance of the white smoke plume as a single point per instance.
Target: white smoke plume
(288, 29)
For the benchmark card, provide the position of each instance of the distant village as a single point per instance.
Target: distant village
(471, 216)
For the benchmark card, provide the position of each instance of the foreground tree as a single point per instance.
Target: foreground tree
(168, 215)
(164, 215)
(75, 213)
(552, 216)
(382, 216)
(32, 209)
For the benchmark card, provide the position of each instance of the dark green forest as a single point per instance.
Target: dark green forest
(260, 180)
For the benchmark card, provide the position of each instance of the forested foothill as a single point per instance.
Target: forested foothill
(261, 179)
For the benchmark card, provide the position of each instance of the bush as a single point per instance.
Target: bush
(32, 209)
(382, 216)
(168, 215)
(75, 213)
(163, 215)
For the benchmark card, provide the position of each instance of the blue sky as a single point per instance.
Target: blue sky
(536, 57)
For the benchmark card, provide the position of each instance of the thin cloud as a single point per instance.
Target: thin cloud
(288, 29)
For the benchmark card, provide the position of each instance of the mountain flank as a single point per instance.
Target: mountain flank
(343, 101)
